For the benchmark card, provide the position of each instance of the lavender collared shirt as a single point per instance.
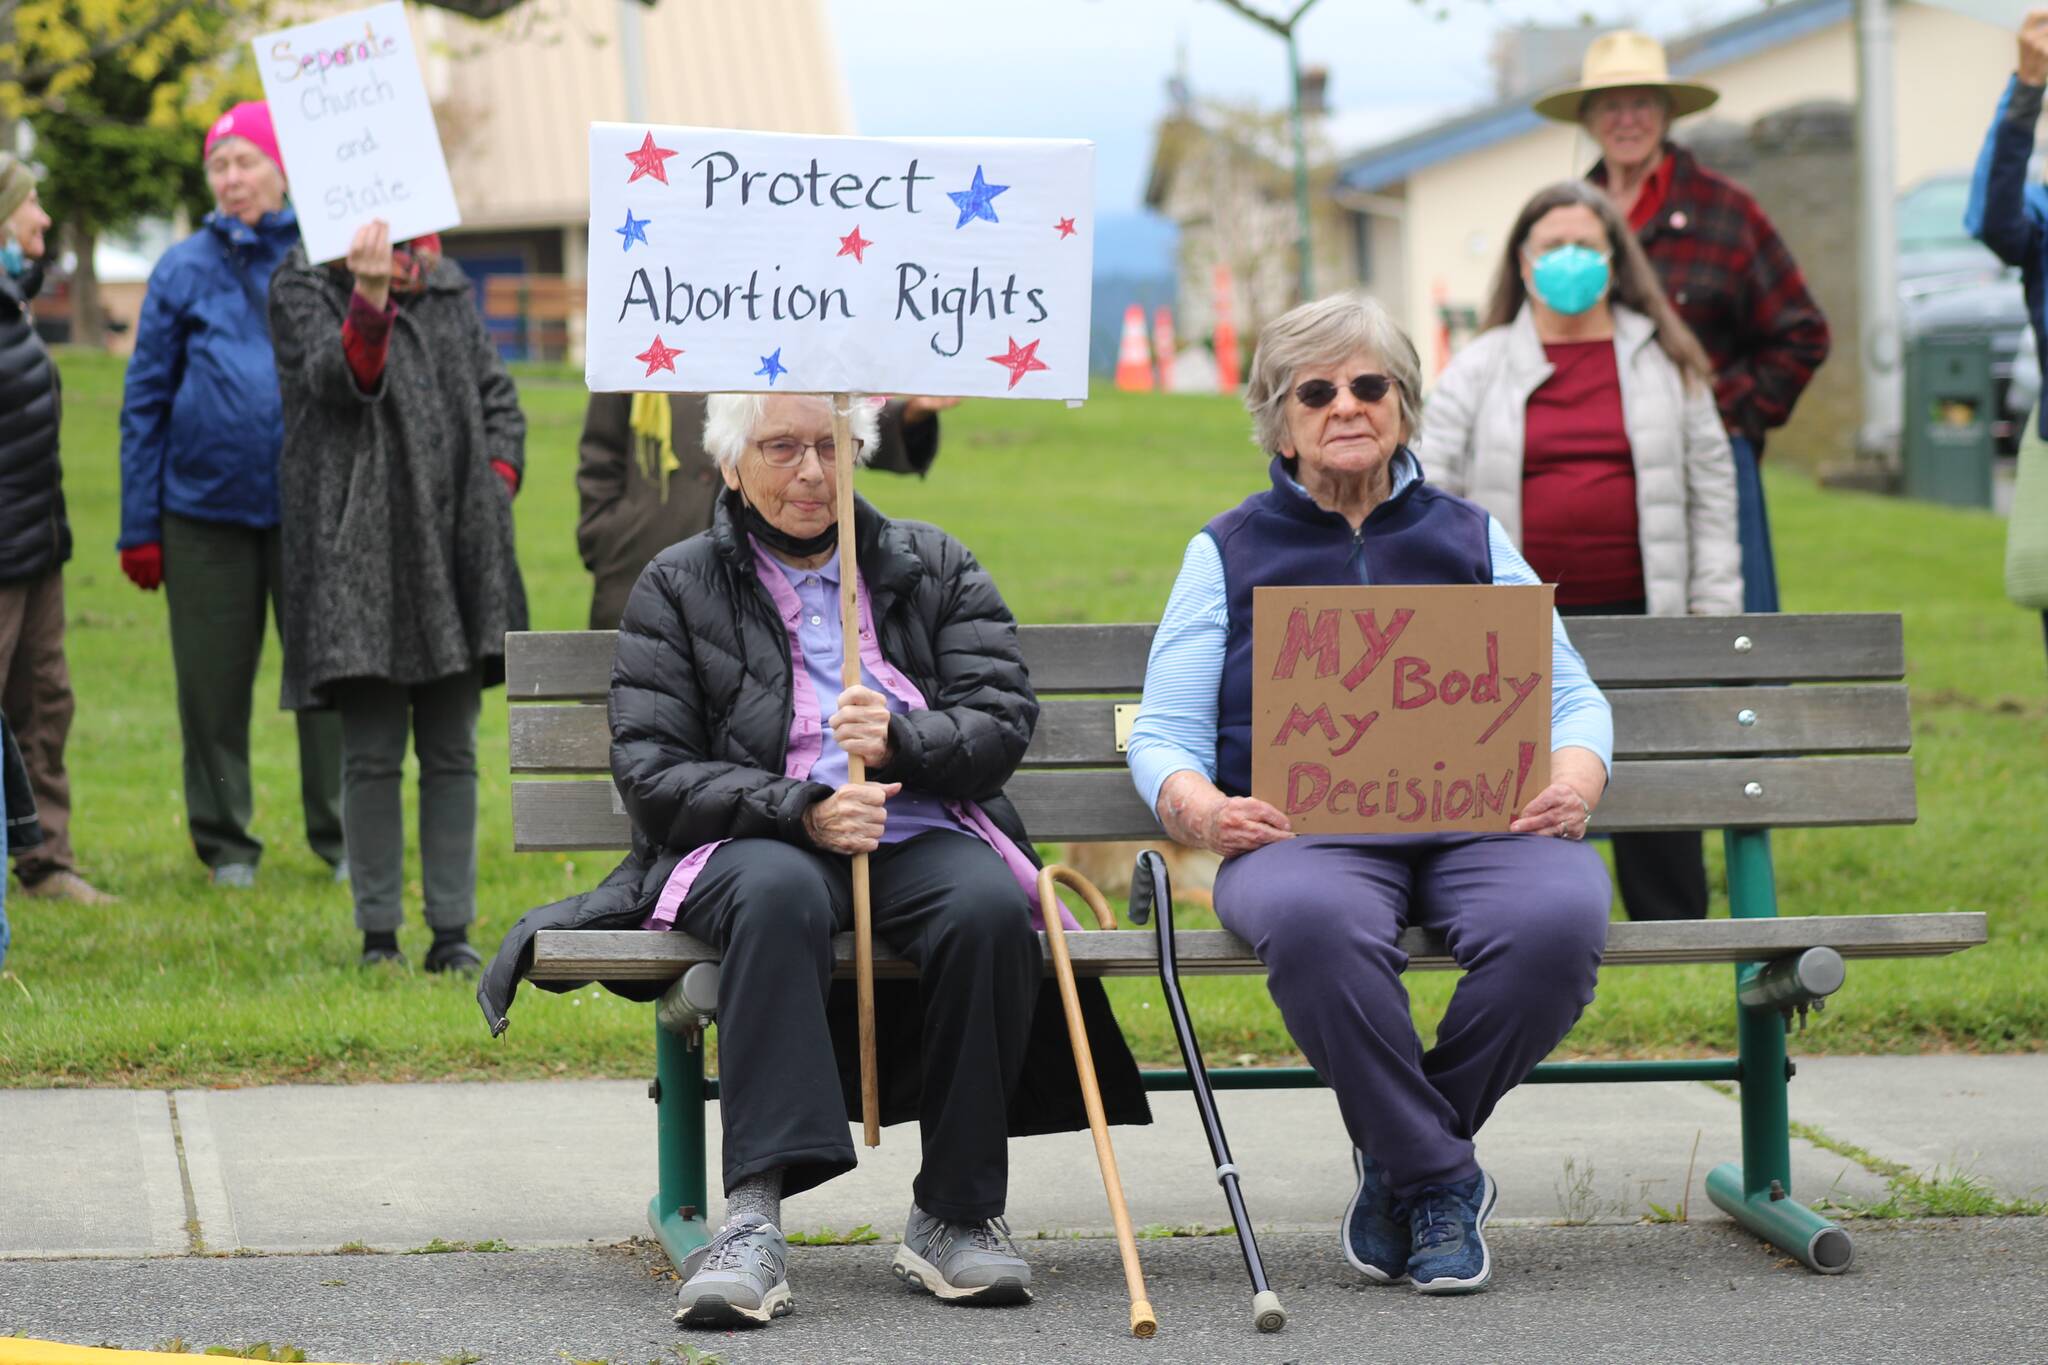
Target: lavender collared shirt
(808, 602)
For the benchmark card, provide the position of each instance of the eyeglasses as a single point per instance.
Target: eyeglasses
(1366, 388)
(786, 452)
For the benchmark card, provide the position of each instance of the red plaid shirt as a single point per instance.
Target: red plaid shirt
(1738, 288)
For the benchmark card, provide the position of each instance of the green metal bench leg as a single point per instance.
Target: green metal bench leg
(1757, 1194)
(677, 1213)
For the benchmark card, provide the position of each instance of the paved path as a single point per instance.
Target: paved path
(119, 1176)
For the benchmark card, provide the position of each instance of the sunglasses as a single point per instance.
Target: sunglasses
(1366, 388)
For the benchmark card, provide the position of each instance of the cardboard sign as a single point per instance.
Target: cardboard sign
(356, 129)
(1400, 710)
(771, 262)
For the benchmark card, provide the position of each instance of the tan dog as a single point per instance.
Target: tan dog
(1109, 866)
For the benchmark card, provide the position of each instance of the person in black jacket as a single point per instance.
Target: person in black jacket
(35, 541)
(730, 739)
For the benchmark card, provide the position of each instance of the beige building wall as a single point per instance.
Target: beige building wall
(1948, 73)
(514, 98)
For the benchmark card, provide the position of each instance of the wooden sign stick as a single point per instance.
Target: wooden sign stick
(856, 770)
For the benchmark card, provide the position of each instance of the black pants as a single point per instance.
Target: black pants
(1662, 873)
(944, 901)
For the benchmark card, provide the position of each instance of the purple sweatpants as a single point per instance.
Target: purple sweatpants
(1526, 917)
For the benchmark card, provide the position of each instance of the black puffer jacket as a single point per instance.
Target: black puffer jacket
(35, 535)
(701, 705)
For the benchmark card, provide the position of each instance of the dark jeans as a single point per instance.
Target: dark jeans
(375, 716)
(1753, 529)
(1526, 918)
(1662, 873)
(946, 902)
(220, 582)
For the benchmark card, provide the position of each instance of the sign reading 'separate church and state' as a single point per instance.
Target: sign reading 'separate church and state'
(742, 261)
(1398, 710)
(356, 129)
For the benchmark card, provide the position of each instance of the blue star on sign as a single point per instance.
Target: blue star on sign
(635, 230)
(772, 366)
(976, 201)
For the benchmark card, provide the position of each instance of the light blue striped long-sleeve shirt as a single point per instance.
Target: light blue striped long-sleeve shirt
(1176, 725)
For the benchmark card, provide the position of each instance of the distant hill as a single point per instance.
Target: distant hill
(1134, 263)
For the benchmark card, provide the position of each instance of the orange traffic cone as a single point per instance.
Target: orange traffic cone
(1133, 360)
(1226, 334)
(1162, 346)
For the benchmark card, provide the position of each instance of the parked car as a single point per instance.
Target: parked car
(1951, 285)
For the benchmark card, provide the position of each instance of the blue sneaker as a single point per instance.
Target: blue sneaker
(1375, 1229)
(1449, 1223)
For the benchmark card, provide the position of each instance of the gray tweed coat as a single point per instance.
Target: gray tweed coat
(398, 555)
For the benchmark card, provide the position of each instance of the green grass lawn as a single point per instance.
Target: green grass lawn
(1081, 515)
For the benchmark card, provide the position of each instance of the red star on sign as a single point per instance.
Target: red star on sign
(1064, 227)
(853, 244)
(660, 357)
(1021, 360)
(649, 160)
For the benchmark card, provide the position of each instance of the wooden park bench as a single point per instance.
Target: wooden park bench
(1742, 724)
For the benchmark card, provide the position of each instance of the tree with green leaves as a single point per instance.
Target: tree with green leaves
(118, 95)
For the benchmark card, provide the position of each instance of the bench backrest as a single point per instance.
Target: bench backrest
(1743, 721)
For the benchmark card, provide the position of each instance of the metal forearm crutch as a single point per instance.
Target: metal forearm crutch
(1151, 892)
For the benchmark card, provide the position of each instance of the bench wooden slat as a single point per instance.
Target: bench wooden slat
(1621, 651)
(1648, 723)
(639, 955)
(1097, 805)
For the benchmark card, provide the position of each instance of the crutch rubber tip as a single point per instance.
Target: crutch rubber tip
(1267, 1312)
(1143, 1324)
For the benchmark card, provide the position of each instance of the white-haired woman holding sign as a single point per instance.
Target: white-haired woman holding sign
(1333, 396)
(731, 732)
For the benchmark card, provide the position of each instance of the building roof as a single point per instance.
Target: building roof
(1392, 162)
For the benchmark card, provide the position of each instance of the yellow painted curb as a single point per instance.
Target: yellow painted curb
(23, 1351)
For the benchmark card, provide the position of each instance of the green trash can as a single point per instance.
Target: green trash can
(1950, 404)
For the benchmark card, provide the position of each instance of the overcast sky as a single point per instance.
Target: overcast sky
(1097, 68)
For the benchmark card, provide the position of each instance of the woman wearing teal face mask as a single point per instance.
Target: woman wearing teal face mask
(1582, 417)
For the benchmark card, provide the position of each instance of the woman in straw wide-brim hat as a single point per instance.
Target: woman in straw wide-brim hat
(1717, 253)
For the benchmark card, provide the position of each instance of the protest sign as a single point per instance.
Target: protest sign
(1401, 709)
(770, 262)
(356, 129)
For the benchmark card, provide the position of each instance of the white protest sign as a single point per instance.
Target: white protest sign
(771, 262)
(355, 128)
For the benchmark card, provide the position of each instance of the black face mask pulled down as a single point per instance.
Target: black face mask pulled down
(774, 538)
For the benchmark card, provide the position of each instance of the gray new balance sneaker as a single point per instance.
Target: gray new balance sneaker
(962, 1262)
(738, 1279)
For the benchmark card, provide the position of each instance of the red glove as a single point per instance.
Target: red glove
(144, 565)
(509, 475)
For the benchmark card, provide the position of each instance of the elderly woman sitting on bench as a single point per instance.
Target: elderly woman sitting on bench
(1334, 400)
(730, 739)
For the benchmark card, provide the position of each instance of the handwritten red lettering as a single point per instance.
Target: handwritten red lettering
(1318, 778)
(1377, 643)
(1300, 722)
(1321, 642)
(1359, 725)
(1523, 687)
(1410, 670)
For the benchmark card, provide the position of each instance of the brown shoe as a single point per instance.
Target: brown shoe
(66, 885)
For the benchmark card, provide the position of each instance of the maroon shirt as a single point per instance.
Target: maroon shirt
(1579, 480)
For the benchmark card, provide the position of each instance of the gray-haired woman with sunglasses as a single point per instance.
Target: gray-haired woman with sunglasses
(1333, 396)
(1583, 417)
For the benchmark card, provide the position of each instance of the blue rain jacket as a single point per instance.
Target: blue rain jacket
(202, 422)
(2009, 215)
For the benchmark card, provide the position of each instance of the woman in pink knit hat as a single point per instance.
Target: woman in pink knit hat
(202, 428)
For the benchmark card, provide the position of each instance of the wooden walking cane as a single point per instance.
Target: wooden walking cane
(1143, 1323)
(856, 770)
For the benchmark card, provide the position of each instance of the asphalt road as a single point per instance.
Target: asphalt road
(1937, 1291)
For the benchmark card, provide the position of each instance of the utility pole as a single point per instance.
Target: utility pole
(1877, 239)
(1304, 237)
(632, 59)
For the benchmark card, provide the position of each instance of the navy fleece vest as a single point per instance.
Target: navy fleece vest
(1279, 538)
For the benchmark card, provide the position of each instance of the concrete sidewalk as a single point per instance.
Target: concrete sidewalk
(552, 1164)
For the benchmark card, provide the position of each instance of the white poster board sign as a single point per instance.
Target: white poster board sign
(355, 128)
(773, 262)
